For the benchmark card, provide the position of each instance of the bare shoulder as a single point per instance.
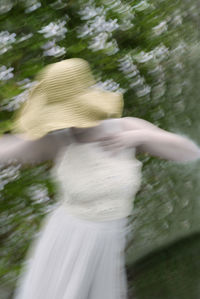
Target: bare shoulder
(49, 146)
(135, 123)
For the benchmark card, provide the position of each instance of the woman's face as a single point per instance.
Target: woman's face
(80, 131)
(86, 130)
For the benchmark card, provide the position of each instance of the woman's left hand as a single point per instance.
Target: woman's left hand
(122, 140)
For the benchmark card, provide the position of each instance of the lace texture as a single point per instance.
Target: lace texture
(95, 184)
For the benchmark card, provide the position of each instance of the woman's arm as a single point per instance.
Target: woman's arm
(159, 142)
(15, 149)
(148, 138)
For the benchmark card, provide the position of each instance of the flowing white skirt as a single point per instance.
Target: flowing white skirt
(75, 259)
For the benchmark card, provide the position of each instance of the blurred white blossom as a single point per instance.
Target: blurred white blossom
(158, 90)
(102, 42)
(6, 73)
(5, 6)
(99, 29)
(15, 102)
(26, 83)
(89, 12)
(127, 67)
(55, 51)
(51, 49)
(177, 20)
(25, 37)
(59, 4)
(97, 25)
(146, 89)
(160, 53)
(109, 85)
(126, 24)
(101, 25)
(33, 7)
(180, 49)
(113, 3)
(125, 11)
(131, 72)
(160, 28)
(142, 5)
(38, 193)
(8, 174)
(48, 45)
(54, 29)
(6, 40)
(143, 56)
(138, 81)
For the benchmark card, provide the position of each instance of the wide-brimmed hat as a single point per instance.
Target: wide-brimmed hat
(64, 97)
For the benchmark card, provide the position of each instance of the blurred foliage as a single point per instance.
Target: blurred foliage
(170, 273)
(149, 51)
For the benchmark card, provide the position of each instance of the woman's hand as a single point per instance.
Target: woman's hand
(122, 140)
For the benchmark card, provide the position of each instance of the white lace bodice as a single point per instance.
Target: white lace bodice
(96, 184)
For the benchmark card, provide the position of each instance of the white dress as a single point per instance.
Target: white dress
(79, 253)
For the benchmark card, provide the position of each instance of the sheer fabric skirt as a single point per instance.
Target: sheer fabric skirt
(75, 259)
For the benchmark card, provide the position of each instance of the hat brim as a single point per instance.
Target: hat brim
(37, 117)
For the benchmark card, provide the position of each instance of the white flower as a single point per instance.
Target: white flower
(139, 81)
(48, 45)
(159, 90)
(84, 31)
(54, 29)
(25, 37)
(15, 102)
(126, 25)
(6, 39)
(146, 89)
(59, 4)
(160, 28)
(33, 7)
(142, 5)
(109, 85)
(177, 20)
(90, 11)
(26, 83)
(55, 51)
(180, 49)
(143, 57)
(160, 52)
(100, 24)
(127, 67)
(113, 3)
(8, 174)
(5, 6)
(100, 42)
(38, 193)
(6, 73)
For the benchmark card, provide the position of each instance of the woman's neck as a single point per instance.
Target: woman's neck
(90, 134)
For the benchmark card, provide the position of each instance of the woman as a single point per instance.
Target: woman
(79, 253)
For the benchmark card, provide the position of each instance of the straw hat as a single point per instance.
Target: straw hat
(65, 97)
